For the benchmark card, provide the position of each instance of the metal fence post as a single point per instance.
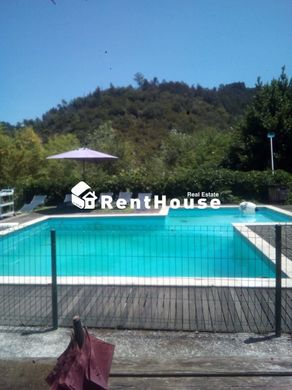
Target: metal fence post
(54, 280)
(278, 296)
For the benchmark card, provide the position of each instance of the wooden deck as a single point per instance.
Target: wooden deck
(267, 232)
(218, 309)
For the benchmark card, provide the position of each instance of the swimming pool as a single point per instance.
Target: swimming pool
(183, 244)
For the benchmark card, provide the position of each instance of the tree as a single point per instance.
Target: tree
(57, 177)
(6, 156)
(206, 148)
(28, 156)
(270, 110)
(106, 139)
(139, 79)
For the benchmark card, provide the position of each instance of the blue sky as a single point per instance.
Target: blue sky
(53, 52)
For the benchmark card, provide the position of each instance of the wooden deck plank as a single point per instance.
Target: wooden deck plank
(121, 305)
(171, 313)
(164, 303)
(73, 304)
(258, 313)
(192, 310)
(126, 318)
(287, 309)
(65, 293)
(8, 295)
(219, 318)
(232, 312)
(149, 308)
(200, 320)
(167, 304)
(267, 307)
(267, 232)
(108, 310)
(165, 292)
(237, 299)
(218, 309)
(287, 301)
(161, 307)
(179, 308)
(186, 309)
(107, 304)
(35, 308)
(5, 291)
(22, 301)
(157, 312)
(247, 308)
(90, 298)
(27, 305)
(133, 311)
(138, 308)
(210, 301)
(227, 324)
(207, 326)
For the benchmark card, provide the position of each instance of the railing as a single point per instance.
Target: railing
(179, 277)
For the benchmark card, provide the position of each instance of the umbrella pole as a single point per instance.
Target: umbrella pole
(78, 331)
(83, 174)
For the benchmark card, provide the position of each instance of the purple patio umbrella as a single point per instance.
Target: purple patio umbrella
(84, 155)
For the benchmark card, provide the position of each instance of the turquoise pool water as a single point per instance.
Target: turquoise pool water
(186, 243)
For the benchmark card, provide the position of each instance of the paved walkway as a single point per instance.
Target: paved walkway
(150, 360)
(25, 217)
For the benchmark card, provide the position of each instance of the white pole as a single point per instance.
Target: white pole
(272, 155)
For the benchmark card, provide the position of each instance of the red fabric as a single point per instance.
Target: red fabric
(85, 368)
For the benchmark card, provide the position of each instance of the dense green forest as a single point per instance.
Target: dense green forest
(170, 138)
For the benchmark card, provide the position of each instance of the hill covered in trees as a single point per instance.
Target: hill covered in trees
(169, 137)
(144, 116)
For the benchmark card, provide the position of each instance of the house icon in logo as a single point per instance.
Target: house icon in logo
(83, 196)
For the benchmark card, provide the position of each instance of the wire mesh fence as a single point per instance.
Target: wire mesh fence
(147, 275)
